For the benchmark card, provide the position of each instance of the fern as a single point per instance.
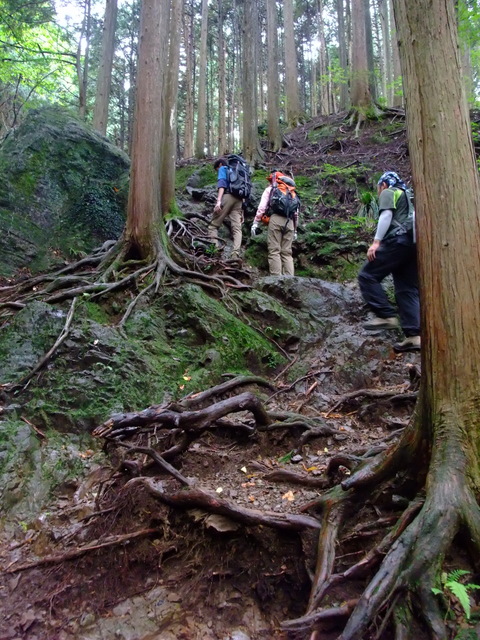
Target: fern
(460, 591)
(454, 576)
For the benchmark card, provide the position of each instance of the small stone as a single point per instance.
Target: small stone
(86, 619)
(296, 459)
(173, 597)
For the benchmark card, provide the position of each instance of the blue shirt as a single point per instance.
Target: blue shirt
(222, 177)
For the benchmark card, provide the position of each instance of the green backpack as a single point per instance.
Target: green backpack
(406, 222)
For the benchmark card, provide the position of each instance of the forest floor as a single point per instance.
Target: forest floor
(109, 560)
(193, 576)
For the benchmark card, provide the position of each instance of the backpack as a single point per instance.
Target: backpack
(407, 224)
(239, 182)
(284, 200)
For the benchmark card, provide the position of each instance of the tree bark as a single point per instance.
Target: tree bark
(360, 93)
(273, 83)
(448, 224)
(251, 145)
(104, 77)
(144, 205)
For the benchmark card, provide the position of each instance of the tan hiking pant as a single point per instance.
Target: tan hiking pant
(231, 209)
(279, 242)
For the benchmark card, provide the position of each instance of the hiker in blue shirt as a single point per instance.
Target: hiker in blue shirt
(228, 207)
(393, 251)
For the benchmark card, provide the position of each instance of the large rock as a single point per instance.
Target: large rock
(63, 190)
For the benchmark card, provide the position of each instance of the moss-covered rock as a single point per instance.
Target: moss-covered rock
(63, 189)
(183, 342)
(30, 469)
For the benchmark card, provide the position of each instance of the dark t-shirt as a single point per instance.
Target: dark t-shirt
(395, 200)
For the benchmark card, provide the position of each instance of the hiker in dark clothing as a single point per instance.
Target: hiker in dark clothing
(228, 207)
(393, 251)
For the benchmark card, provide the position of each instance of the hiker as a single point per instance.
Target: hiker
(393, 251)
(228, 206)
(281, 215)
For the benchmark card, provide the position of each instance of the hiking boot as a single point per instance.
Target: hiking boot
(412, 343)
(381, 323)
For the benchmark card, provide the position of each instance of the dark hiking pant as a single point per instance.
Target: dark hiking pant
(397, 257)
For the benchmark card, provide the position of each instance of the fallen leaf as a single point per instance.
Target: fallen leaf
(251, 498)
(244, 469)
(221, 523)
(288, 496)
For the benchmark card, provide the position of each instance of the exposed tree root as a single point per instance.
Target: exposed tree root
(397, 393)
(80, 551)
(191, 498)
(283, 475)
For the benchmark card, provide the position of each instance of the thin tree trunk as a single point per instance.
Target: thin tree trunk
(251, 146)
(167, 174)
(104, 77)
(82, 69)
(322, 62)
(273, 83)
(200, 140)
(343, 57)
(370, 59)
(360, 93)
(222, 104)
(132, 74)
(293, 114)
(386, 52)
(188, 150)
(397, 71)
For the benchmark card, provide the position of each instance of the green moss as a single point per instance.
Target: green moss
(325, 131)
(348, 174)
(94, 311)
(207, 175)
(182, 174)
(62, 178)
(184, 342)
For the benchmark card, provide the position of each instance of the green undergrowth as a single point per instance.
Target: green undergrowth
(318, 133)
(333, 249)
(204, 175)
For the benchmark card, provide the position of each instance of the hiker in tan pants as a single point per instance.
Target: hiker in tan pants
(279, 242)
(280, 236)
(228, 207)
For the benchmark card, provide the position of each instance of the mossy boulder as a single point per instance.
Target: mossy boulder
(63, 189)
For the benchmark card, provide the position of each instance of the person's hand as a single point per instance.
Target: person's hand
(253, 230)
(372, 250)
(218, 207)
